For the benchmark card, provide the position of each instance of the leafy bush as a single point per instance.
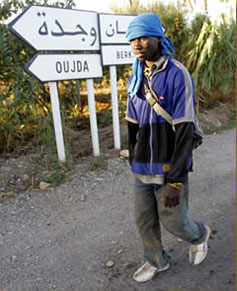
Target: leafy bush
(24, 102)
(211, 58)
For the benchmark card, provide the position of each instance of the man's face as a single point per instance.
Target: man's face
(146, 48)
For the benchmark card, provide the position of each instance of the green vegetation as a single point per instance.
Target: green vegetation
(55, 178)
(212, 59)
(228, 126)
(98, 163)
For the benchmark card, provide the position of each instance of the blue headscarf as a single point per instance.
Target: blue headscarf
(146, 24)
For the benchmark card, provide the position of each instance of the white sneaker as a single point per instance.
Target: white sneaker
(197, 253)
(147, 271)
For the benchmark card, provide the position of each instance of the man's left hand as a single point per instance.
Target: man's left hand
(171, 196)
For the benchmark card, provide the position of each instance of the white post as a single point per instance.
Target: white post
(57, 121)
(93, 120)
(115, 112)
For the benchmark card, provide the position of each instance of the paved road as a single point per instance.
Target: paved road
(62, 239)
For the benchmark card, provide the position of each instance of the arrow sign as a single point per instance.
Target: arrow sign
(53, 28)
(55, 67)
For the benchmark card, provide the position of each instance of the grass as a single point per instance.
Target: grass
(55, 179)
(98, 164)
(229, 126)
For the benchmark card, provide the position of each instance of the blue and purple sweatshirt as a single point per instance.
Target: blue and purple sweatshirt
(157, 151)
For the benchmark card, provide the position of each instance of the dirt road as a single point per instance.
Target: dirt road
(81, 236)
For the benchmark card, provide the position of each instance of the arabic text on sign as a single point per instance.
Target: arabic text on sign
(111, 31)
(113, 28)
(59, 31)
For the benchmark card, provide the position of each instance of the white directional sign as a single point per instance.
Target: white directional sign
(53, 28)
(113, 28)
(115, 48)
(55, 67)
(117, 55)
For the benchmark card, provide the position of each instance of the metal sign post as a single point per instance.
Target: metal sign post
(75, 32)
(115, 111)
(57, 121)
(93, 120)
(59, 29)
(115, 50)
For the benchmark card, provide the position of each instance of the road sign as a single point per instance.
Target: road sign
(113, 28)
(53, 28)
(115, 48)
(117, 54)
(55, 67)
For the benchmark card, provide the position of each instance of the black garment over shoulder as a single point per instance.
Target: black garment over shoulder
(179, 148)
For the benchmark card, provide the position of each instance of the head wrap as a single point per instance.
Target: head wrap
(146, 24)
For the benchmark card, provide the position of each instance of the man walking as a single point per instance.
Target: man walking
(160, 115)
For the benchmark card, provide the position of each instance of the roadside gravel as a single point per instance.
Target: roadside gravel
(81, 235)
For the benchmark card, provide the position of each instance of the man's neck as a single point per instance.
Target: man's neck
(151, 63)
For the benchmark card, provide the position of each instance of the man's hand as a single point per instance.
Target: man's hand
(171, 196)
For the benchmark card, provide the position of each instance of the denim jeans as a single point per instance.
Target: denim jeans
(150, 211)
